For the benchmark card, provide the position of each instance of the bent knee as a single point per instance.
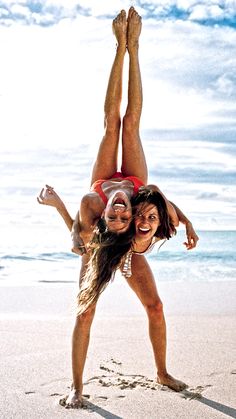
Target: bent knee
(86, 318)
(155, 310)
(112, 123)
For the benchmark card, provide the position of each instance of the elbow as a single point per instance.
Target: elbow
(174, 219)
(176, 222)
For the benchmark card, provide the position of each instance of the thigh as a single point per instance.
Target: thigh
(106, 162)
(133, 157)
(142, 281)
(84, 261)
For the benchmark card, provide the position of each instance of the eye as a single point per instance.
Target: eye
(124, 220)
(110, 218)
(153, 217)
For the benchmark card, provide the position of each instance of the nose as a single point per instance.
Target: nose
(119, 209)
(143, 218)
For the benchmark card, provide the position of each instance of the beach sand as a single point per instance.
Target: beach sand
(35, 341)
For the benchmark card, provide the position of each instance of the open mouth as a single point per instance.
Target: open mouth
(143, 230)
(119, 203)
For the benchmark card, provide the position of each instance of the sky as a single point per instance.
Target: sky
(55, 59)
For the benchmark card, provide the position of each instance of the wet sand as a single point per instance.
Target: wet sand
(36, 325)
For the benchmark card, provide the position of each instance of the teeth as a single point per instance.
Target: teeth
(119, 205)
(143, 229)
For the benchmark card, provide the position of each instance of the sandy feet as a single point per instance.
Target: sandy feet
(171, 382)
(73, 401)
(134, 28)
(119, 26)
(127, 31)
(113, 377)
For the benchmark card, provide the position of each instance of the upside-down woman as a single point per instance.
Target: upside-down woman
(110, 198)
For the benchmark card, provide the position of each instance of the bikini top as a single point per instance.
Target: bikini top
(126, 270)
(97, 186)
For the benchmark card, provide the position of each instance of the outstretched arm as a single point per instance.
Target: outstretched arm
(176, 213)
(192, 237)
(49, 197)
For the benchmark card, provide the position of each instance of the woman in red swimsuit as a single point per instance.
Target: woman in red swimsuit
(111, 190)
(110, 196)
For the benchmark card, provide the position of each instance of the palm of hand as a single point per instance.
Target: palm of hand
(49, 197)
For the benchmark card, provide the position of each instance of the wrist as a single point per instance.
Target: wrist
(61, 208)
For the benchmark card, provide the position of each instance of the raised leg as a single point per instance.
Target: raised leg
(143, 284)
(133, 158)
(106, 163)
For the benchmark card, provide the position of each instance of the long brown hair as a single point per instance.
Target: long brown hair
(107, 250)
(166, 229)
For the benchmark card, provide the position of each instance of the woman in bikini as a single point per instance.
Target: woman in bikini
(117, 213)
(112, 190)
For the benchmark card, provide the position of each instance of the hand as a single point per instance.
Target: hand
(48, 196)
(192, 237)
(78, 245)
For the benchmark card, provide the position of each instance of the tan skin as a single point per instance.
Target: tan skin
(127, 31)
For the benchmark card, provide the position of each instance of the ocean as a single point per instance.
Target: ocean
(198, 176)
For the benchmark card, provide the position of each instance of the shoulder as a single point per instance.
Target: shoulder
(91, 206)
(90, 199)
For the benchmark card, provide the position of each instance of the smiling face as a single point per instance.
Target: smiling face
(146, 222)
(118, 213)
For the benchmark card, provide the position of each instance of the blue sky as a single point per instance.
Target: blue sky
(56, 56)
(50, 12)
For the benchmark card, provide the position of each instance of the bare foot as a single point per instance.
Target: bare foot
(171, 382)
(73, 401)
(119, 26)
(134, 28)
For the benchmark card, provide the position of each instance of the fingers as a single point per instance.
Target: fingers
(192, 242)
(41, 197)
(39, 201)
(81, 250)
(48, 190)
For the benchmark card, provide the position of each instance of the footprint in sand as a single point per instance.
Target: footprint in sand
(124, 381)
(194, 393)
(115, 378)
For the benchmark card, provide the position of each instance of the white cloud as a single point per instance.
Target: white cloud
(53, 80)
(62, 3)
(3, 12)
(225, 85)
(185, 4)
(204, 11)
(18, 9)
(52, 11)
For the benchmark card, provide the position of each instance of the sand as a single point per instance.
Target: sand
(35, 370)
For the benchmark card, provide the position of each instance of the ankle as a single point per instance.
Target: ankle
(162, 374)
(133, 47)
(121, 47)
(77, 389)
